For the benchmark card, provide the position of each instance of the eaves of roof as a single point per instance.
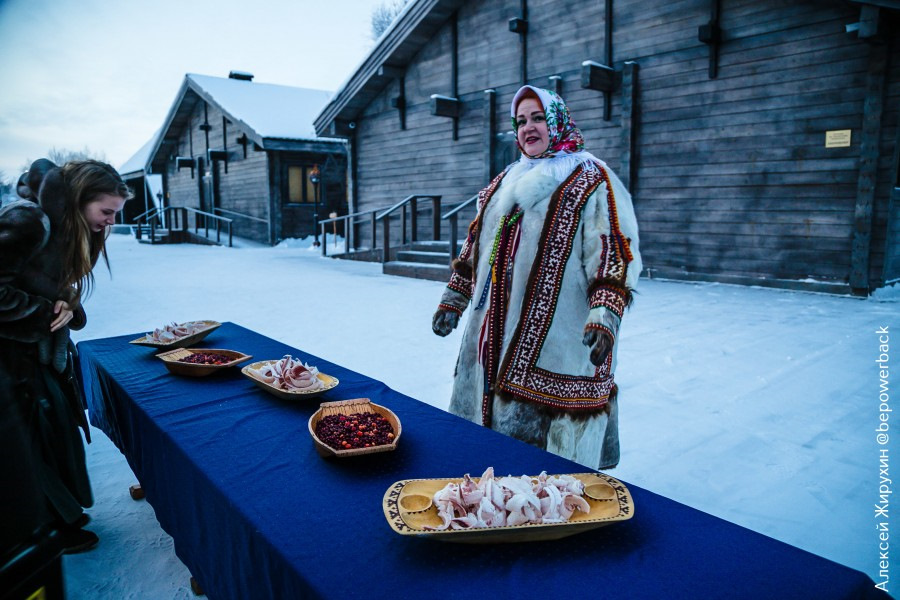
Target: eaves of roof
(394, 51)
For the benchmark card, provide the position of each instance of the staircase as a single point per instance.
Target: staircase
(412, 257)
(143, 234)
(422, 260)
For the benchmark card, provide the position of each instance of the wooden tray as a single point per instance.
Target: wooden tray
(172, 359)
(408, 508)
(182, 342)
(350, 407)
(329, 382)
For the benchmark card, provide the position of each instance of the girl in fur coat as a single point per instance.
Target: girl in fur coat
(549, 266)
(49, 244)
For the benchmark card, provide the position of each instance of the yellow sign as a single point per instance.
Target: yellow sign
(839, 138)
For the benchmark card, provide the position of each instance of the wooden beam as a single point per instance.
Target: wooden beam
(629, 125)
(225, 141)
(454, 68)
(608, 54)
(490, 141)
(711, 34)
(868, 167)
(868, 22)
(523, 42)
(390, 72)
(891, 268)
(556, 84)
(399, 102)
(595, 76)
(445, 106)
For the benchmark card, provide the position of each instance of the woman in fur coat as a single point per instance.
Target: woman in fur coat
(549, 266)
(49, 244)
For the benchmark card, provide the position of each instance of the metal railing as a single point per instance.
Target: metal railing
(409, 219)
(177, 219)
(234, 213)
(453, 217)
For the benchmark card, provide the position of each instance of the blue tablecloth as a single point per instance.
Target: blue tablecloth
(255, 512)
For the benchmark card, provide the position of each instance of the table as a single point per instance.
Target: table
(255, 512)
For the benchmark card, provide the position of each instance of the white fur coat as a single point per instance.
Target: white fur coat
(591, 440)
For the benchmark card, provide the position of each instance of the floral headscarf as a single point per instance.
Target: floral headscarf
(565, 137)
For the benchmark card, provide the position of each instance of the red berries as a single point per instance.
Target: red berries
(205, 358)
(360, 430)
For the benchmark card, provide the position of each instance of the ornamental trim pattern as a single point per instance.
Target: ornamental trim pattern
(458, 282)
(519, 373)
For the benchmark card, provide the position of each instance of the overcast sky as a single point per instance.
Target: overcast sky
(103, 74)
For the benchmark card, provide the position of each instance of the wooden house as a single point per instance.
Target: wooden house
(244, 151)
(759, 138)
(147, 189)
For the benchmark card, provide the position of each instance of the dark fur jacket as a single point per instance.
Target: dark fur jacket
(31, 264)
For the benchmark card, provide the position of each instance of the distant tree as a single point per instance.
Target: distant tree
(61, 156)
(384, 14)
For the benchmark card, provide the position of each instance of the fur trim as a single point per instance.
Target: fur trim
(462, 267)
(612, 283)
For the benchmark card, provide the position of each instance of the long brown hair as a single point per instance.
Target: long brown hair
(85, 180)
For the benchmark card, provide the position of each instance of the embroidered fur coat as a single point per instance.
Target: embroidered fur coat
(574, 263)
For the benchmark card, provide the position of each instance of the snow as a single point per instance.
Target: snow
(272, 111)
(752, 404)
(137, 163)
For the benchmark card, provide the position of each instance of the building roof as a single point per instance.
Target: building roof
(269, 110)
(274, 117)
(134, 166)
(393, 51)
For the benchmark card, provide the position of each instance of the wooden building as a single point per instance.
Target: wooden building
(244, 151)
(147, 189)
(759, 138)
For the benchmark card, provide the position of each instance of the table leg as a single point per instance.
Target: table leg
(195, 587)
(137, 492)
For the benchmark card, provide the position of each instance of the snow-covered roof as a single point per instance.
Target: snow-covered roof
(135, 165)
(272, 111)
(274, 117)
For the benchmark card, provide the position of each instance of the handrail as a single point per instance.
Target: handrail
(179, 220)
(154, 210)
(453, 216)
(403, 202)
(239, 214)
(216, 219)
(459, 207)
(385, 213)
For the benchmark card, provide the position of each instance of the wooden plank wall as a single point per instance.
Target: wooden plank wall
(243, 189)
(733, 179)
(885, 259)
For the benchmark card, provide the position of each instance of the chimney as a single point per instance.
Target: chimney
(240, 75)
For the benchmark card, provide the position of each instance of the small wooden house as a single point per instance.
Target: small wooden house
(147, 189)
(759, 138)
(244, 151)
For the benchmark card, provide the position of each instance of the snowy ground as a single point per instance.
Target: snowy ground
(756, 405)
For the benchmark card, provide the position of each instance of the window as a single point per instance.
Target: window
(300, 189)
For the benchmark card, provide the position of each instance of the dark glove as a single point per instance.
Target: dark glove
(444, 321)
(600, 343)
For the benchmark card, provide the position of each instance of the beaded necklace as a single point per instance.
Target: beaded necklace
(505, 227)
